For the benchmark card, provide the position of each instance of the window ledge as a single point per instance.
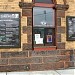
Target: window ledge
(43, 48)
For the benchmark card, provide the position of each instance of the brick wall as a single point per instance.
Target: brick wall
(35, 60)
(69, 12)
(24, 58)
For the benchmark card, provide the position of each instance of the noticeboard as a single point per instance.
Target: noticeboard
(10, 30)
(70, 20)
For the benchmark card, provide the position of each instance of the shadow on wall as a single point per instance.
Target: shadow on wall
(51, 72)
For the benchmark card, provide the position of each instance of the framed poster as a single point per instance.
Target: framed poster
(70, 20)
(10, 30)
(49, 38)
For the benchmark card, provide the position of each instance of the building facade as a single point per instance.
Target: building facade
(37, 35)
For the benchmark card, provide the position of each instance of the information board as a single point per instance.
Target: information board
(9, 29)
(70, 28)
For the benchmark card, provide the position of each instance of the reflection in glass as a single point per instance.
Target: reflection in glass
(43, 17)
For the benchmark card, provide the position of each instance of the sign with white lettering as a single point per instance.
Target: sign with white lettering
(9, 29)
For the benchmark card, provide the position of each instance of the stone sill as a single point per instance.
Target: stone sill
(43, 48)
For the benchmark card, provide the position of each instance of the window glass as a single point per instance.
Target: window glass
(43, 17)
(49, 36)
(38, 35)
(43, 36)
(43, 1)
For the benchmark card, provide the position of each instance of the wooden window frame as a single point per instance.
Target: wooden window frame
(44, 4)
(44, 47)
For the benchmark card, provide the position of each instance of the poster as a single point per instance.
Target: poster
(9, 29)
(37, 36)
(49, 38)
(70, 28)
(39, 41)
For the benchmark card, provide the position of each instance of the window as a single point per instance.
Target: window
(9, 29)
(43, 24)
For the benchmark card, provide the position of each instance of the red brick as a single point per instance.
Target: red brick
(18, 61)
(58, 37)
(58, 65)
(3, 61)
(56, 59)
(62, 6)
(48, 66)
(73, 51)
(10, 68)
(25, 5)
(58, 21)
(26, 46)
(44, 53)
(14, 54)
(60, 13)
(50, 53)
(40, 67)
(66, 52)
(27, 29)
(68, 64)
(61, 45)
(29, 38)
(26, 12)
(29, 21)
(60, 29)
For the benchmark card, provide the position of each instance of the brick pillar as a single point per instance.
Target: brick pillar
(27, 11)
(60, 13)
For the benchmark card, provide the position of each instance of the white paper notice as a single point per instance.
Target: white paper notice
(37, 36)
(39, 41)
